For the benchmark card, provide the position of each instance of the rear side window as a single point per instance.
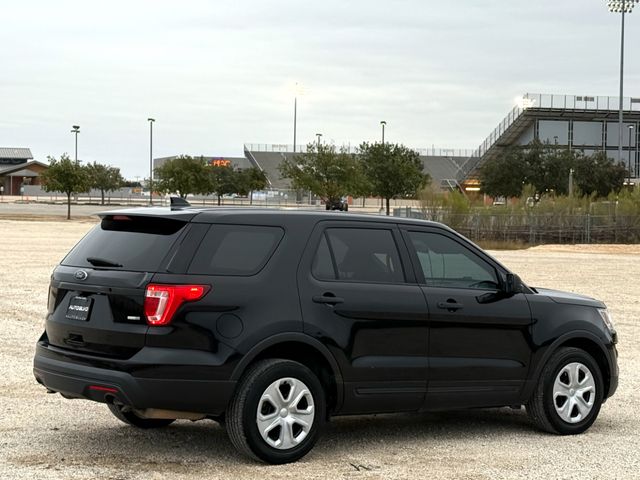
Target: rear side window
(125, 242)
(241, 250)
(358, 255)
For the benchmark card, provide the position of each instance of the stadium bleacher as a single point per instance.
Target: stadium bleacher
(439, 167)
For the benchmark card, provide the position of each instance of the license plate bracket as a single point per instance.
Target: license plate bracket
(79, 308)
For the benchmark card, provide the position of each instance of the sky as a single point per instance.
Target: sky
(216, 74)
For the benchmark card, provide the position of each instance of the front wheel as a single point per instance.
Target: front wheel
(569, 394)
(277, 412)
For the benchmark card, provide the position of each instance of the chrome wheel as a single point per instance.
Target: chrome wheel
(574, 392)
(285, 413)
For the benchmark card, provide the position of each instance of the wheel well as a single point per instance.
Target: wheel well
(595, 351)
(310, 358)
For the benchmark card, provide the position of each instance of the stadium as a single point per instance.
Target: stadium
(585, 123)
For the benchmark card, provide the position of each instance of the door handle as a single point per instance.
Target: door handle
(450, 305)
(327, 299)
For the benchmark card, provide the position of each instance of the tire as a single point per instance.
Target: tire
(268, 390)
(130, 418)
(577, 380)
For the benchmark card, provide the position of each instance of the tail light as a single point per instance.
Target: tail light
(162, 301)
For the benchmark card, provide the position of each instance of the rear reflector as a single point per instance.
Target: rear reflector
(162, 301)
(103, 389)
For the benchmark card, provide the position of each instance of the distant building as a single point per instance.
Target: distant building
(17, 168)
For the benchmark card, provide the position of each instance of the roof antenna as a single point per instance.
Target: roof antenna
(178, 203)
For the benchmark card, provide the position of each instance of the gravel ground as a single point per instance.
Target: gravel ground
(46, 436)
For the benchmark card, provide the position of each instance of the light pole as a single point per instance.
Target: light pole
(631, 151)
(384, 124)
(295, 121)
(297, 90)
(571, 182)
(151, 120)
(622, 7)
(319, 135)
(76, 130)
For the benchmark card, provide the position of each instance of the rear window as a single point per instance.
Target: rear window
(126, 243)
(241, 250)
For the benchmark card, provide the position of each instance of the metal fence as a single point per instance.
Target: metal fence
(288, 148)
(536, 228)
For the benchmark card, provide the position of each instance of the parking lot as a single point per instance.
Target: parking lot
(46, 436)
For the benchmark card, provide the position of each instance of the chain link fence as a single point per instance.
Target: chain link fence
(535, 228)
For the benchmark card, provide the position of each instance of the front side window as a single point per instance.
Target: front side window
(358, 255)
(447, 263)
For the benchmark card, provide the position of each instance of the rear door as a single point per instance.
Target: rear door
(479, 338)
(359, 297)
(97, 292)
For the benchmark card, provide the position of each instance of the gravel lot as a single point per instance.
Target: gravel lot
(46, 436)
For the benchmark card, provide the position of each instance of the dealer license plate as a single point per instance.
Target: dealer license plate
(79, 308)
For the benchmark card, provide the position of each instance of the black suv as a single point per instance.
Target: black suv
(272, 321)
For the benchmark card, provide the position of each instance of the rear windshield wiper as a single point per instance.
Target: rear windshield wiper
(102, 262)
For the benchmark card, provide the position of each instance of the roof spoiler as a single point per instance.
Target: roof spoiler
(178, 203)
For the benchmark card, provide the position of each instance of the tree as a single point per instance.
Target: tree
(104, 178)
(328, 173)
(249, 180)
(222, 180)
(544, 166)
(392, 170)
(504, 175)
(183, 175)
(65, 176)
(599, 174)
(557, 163)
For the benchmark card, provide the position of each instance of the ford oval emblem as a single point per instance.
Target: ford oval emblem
(80, 275)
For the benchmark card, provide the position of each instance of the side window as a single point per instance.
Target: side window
(447, 263)
(358, 255)
(322, 267)
(241, 250)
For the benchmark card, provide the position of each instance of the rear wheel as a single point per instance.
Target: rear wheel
(277, 412)
(568, 397)
(128, 416)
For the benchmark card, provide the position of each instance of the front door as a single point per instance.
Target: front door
(479, 338)
(359, 297)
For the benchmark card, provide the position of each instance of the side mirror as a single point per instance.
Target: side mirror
(513, 284)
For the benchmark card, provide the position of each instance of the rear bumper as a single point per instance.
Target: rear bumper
(79, 380)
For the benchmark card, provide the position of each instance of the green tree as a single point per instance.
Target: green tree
(66, 176)
(556, 166)
(504, 175)
(183, 175)
(544, 166)
(104, 178)
(222, 180)
(392, 170)
(328, 173)
(599, 174)
(249, 180)
(533, 166)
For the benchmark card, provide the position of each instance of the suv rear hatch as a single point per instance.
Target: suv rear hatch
(96, 297)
